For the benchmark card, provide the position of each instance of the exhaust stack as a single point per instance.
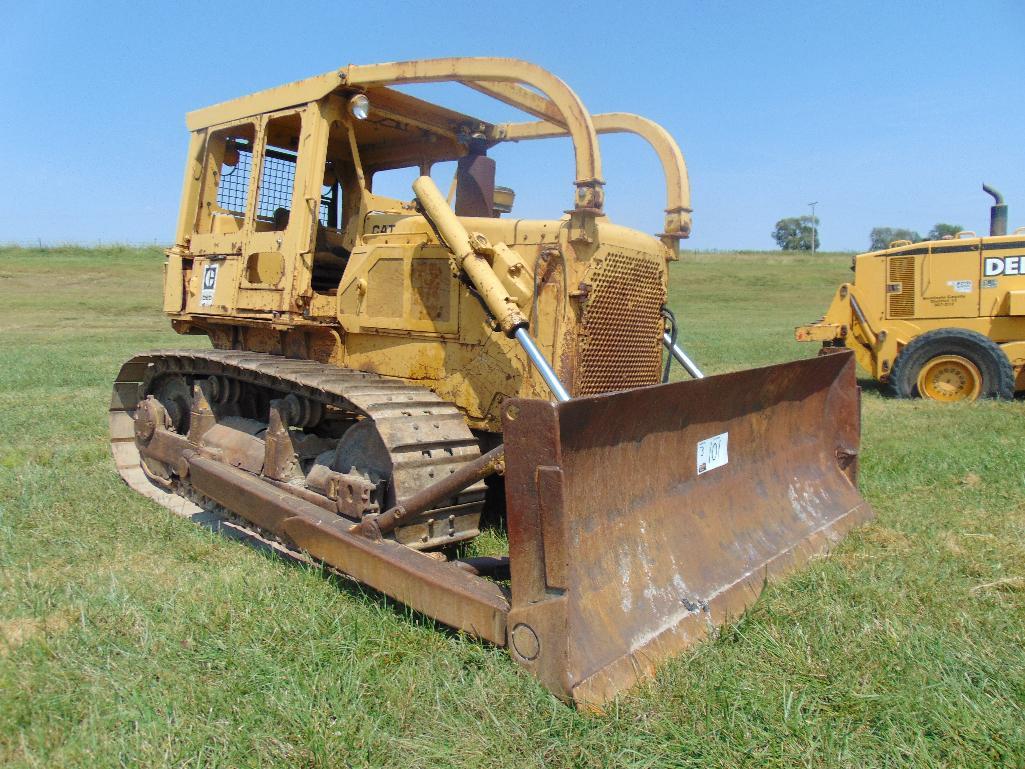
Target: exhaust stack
(997, 212)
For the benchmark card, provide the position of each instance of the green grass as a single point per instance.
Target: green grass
(129, 637)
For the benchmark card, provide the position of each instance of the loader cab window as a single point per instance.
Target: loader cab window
(226, 178)
(277, 174)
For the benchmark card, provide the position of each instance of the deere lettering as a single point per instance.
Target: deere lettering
(1007, 265)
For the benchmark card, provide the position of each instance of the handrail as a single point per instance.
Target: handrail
(678, 209)
(479, 72)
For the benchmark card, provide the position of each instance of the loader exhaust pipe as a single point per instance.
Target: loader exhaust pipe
(997, 212)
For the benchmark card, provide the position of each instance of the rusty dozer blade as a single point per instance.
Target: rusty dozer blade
(640, 520)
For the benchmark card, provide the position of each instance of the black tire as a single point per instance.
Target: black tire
(989, 359)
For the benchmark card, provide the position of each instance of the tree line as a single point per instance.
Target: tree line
(882, 237)
(797, 233)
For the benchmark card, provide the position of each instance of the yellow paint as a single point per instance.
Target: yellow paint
(971, 283)
(278, 195)
(950, 378)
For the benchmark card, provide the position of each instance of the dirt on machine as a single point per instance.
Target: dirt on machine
(940, 319)
(388, 375)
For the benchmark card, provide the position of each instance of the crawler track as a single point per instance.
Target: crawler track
(424, 435)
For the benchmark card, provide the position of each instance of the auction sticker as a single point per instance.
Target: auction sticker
(712, 452)
(206, 294)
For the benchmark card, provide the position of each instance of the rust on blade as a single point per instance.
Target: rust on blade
(625, 550)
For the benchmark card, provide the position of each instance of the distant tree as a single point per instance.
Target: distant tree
(941, 231)
(882, 237)
(795, 233)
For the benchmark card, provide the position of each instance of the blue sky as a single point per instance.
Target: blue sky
(886, 113)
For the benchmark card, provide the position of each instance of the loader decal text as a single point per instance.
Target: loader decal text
(1003, 265)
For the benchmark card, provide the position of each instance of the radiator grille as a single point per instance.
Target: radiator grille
(621, 343)
(901, 303)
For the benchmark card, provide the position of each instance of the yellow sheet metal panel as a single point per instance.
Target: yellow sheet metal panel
(971, 283)
(262, 102)
(949, 274)
(1016, 302)
(1003, 272)
(212, 286)
(174, 291)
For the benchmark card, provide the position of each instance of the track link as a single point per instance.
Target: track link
(425, 436)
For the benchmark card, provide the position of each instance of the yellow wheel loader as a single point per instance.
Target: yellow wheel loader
(387, 373)
(941, 319)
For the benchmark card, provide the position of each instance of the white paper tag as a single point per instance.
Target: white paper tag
(712, 452)
(961, 286)
(206, 294)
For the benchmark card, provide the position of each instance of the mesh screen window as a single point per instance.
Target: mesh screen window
(276, 182)
(233, 186)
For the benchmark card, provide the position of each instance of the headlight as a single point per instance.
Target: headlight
(359, 106)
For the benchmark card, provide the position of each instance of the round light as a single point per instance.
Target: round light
(359, 106)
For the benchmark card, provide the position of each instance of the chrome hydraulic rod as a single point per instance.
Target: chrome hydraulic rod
(538, 359)
(464, 248)
(681, 357)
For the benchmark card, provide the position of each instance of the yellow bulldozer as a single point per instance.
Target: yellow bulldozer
(940, 319)
(385, 374)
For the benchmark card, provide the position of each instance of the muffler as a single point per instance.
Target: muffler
(997, 212)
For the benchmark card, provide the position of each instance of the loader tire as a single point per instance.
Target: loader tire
(952, 364)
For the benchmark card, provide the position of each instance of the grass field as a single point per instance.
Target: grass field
(129, 637)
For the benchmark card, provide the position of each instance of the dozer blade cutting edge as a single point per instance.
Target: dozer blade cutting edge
(624, 549)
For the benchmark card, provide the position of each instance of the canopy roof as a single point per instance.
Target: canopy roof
(399, 118)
